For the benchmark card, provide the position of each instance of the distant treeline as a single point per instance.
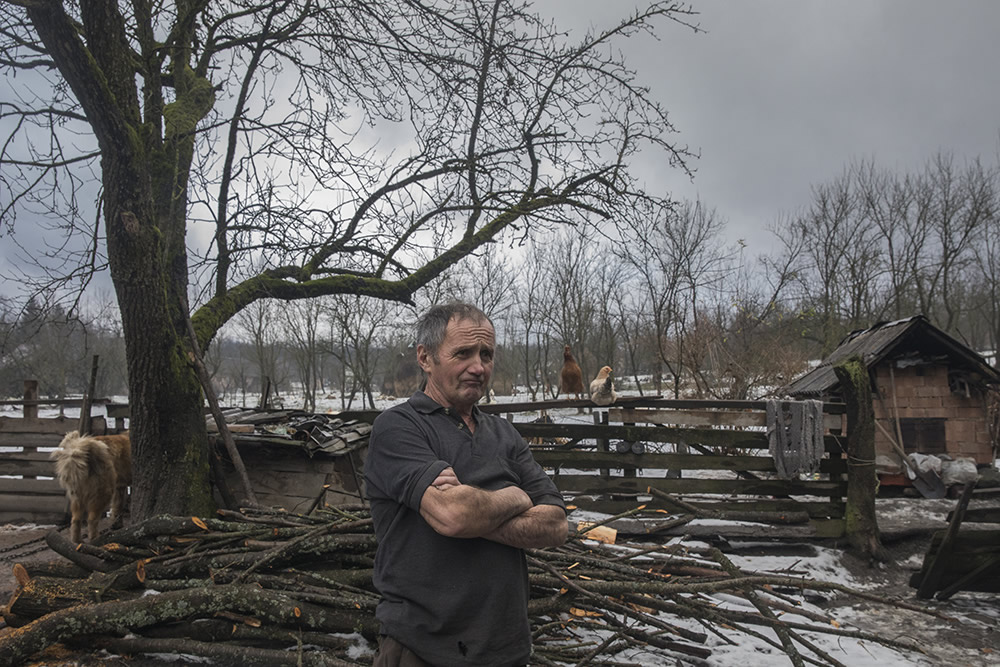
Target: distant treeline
(661, 296)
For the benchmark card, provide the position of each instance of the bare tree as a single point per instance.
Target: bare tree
(258, 324)
(239, 369)
(846, 269)
(986, 251)
(676, 253)
(570, 305)
(528, 323)
(631, 321)
(760, 347)
(358, 329)
(182, 111)
(300, 324)
(108, 344)
(952, 204)
(881, 244)
(608, 285)
(488, 278)
(887, 200)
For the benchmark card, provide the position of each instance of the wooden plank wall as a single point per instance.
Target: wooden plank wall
(287, 476)
(28, 490)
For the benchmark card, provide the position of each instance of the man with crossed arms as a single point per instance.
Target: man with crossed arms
(455, 498)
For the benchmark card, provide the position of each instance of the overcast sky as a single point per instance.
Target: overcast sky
(780, 95)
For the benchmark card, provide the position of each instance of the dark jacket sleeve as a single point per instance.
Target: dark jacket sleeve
(400, 464)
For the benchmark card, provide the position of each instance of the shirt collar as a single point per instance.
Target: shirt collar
(424, 404)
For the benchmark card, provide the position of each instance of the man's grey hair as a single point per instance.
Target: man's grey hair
(433, 325)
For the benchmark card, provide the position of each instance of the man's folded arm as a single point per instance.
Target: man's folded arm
(460, 510)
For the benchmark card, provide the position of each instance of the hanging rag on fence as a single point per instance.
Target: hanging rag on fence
(795, 436)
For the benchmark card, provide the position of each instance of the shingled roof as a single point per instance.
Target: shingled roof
(913, 337)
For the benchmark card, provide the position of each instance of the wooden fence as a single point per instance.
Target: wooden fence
(713, 453)
(28, 490)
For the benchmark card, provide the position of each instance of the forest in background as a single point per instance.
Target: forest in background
(664, 298)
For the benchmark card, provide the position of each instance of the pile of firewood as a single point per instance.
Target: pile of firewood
(261, 587)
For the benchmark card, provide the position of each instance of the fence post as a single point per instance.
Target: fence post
(601, 419)
(860, 522)
(30, 410)
(265, 394)
(85, 427)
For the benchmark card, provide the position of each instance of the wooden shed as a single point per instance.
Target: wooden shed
(928, 390)
(295, 460)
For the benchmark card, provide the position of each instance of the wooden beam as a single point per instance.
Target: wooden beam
(30, 487)
(702, 436)
(705, 417)
(37, 509)
(815, 509)
(643, 402)
(586, 460)
(54, 425)
(594, 484)
(935, 564)
(27, 465)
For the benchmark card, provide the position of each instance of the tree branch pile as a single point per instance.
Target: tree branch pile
(266, 587)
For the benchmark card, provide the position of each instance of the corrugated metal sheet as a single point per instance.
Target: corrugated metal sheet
(874, 344)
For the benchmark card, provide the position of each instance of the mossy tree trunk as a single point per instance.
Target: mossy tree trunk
(862, 481)
(144, 168)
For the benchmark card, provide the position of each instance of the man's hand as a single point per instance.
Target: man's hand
(446, 480)
(541, 526)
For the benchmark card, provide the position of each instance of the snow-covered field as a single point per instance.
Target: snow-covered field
(969, 638)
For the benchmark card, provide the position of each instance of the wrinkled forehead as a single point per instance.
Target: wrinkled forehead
(467, 331)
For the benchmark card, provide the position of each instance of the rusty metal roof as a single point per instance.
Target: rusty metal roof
(911, 337)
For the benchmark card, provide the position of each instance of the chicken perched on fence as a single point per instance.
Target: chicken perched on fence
(602, 389)
(570, 377)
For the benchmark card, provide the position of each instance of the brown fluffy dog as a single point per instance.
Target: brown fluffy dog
(95, 471)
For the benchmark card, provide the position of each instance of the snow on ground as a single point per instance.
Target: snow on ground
(966, 637)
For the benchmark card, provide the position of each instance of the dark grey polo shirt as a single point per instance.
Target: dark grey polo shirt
(451, 601)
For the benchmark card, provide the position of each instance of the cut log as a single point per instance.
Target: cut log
(115, 617)
(68, 550)
(54, 568)
(44, 595)
(228, 654)
(312, 576)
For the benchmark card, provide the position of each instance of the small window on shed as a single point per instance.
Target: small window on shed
(925, 436)
(958, 382)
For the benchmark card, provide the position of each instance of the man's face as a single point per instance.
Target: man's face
(460, 374)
